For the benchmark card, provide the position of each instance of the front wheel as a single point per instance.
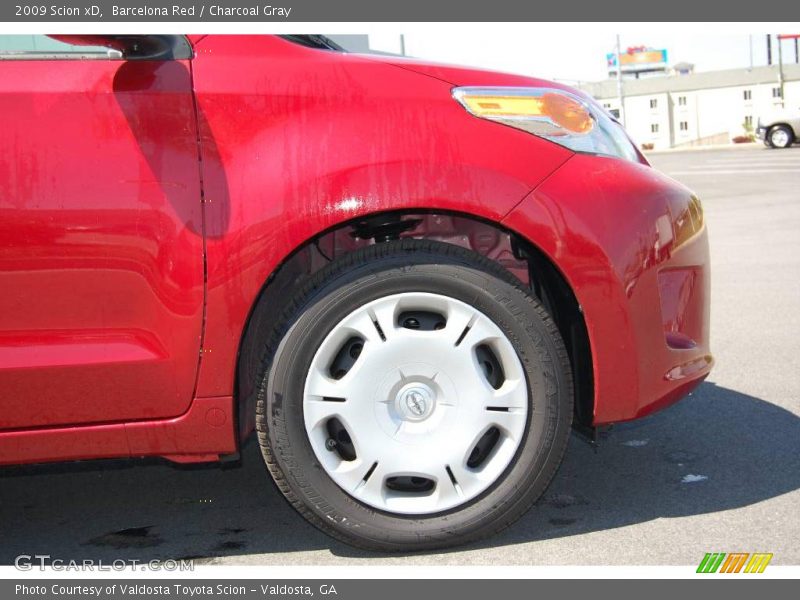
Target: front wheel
(419, 398)
(780, 136)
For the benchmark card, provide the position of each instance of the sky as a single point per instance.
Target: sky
(551, 51)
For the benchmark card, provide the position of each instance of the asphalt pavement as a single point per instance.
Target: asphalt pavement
(718, 472)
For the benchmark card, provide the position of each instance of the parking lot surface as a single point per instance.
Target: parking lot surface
(718, 472)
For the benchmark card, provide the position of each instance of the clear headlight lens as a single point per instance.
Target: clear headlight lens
(553, 114)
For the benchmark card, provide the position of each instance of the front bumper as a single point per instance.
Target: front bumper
(633, 246)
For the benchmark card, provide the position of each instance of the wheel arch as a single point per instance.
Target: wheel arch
(515, 252)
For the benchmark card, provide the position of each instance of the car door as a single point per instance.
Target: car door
(101, 241)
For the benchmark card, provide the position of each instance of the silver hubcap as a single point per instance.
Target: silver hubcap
(779, 138)
(415, 403)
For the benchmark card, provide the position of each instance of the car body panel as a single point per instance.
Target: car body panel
(101, 243)
(613, 227)
(469, 76)
(284, 160)
(202, 434)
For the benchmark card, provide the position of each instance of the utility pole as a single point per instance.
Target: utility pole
(780, 68)
(769, 49)
(620, 95)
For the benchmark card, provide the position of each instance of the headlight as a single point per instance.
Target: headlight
(553, 114)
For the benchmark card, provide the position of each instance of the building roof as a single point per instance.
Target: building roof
(693, 81)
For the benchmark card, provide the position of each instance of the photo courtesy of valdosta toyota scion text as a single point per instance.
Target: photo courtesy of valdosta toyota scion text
(416, 296)
(175, 589)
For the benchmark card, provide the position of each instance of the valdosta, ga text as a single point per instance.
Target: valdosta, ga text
(176, 589)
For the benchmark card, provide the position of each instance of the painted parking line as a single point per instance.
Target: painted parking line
(766, 161)
(742, 171)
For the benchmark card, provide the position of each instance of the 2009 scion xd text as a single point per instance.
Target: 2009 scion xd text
(410, 280)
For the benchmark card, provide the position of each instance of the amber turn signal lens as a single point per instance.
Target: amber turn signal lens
(562, 110)
(567, 113)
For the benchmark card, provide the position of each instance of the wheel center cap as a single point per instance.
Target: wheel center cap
(415, 401)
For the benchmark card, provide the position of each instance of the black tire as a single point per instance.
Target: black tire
(784, 129)
(374, 272)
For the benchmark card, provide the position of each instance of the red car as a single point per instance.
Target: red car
(409, 279)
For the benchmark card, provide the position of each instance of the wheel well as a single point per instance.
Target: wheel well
(518, 256)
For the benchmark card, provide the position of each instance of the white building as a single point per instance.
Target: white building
(698, 108)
